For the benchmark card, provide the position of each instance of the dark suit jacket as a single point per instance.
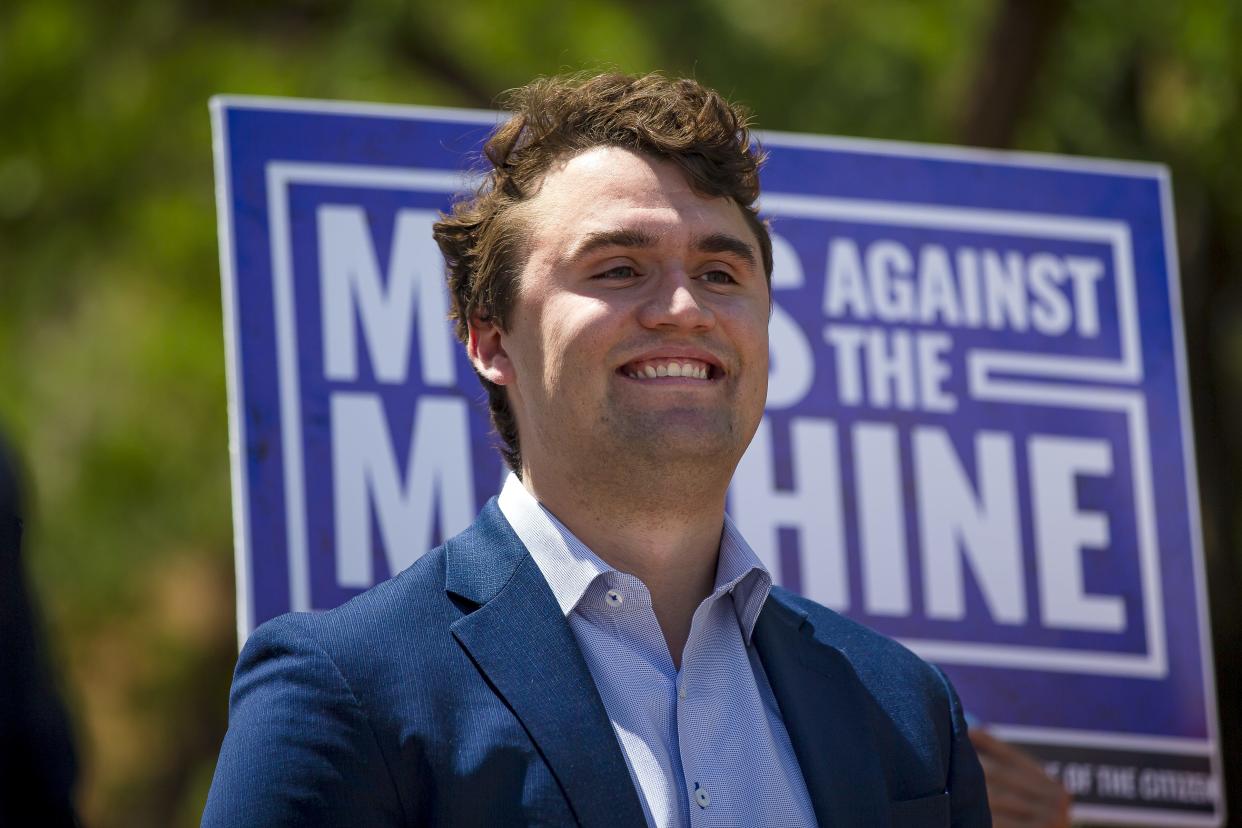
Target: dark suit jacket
(38, 767)
(455, 694)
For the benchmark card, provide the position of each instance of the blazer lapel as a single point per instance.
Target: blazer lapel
(520, 640)
(826, 713)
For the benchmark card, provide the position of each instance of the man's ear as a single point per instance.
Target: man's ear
(486, 349)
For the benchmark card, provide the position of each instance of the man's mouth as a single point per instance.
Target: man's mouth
(684, 367)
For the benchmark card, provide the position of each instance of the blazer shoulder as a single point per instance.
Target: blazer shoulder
(406, 618)
(414, 590)
(915, 715)
(299, 745)
(877, 659)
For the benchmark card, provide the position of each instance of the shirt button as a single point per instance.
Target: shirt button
(701, 797)
(614, 598)
(681, 691)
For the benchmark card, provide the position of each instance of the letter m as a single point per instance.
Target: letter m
(351, 290)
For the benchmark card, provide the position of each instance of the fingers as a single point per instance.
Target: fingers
(1019, 791)
(1018, 762)
(1021, 778)
(985, 742)
(1048, 811)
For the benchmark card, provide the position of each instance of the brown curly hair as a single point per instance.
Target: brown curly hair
(483, 238)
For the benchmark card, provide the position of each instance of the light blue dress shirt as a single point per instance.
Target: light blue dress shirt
(706, 745)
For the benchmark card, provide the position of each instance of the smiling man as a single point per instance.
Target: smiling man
(601, 647)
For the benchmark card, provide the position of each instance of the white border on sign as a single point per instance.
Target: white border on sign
(1142, 815)
(982, 363)
(1102, 739)
(280, 175)
(232, 369)
(323, 106)
(966, 155)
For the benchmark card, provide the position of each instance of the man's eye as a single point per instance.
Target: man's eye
(718, 277)
(618, 272)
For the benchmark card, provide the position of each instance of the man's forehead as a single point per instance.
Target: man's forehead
(606, 176)
(608, 189)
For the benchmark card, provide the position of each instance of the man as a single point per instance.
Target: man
(38, 763)
(601, 647)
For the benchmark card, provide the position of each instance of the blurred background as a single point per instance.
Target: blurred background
(112, 383)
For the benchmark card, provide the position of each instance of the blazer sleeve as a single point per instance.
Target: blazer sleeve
(299, 749)
(968, 793)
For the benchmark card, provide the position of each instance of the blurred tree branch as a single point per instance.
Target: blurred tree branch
(1016, 47)
(414, 42)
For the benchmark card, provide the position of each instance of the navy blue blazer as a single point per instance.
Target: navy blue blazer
(455, 694)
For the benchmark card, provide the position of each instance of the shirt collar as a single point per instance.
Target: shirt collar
(570, 567)
(739, 569)
(567, 564)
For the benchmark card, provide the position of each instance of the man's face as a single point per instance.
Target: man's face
(639, 328)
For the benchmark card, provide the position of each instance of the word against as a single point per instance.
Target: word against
(973, 288)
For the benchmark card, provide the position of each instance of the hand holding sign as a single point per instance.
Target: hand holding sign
(1019, 792)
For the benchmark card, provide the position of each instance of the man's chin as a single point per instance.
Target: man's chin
(685, 433)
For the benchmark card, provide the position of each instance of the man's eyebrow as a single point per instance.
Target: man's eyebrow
(601, 239)
(725, 243)
(635, 239)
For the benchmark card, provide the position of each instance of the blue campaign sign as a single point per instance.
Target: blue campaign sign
(977, 436)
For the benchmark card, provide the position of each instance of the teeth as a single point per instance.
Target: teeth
(671, 369)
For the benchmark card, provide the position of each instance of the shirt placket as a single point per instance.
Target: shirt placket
(626, 607)
(700, 787)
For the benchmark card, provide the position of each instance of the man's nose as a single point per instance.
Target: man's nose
(676, 303)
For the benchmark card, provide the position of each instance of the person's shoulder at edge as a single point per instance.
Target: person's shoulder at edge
(413, 600)
(416, 590)
(873, 655)
(900, 680)
(302, 742)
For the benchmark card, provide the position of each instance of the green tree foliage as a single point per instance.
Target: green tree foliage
(111, 351)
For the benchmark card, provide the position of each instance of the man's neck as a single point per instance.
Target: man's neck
(661, 530)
